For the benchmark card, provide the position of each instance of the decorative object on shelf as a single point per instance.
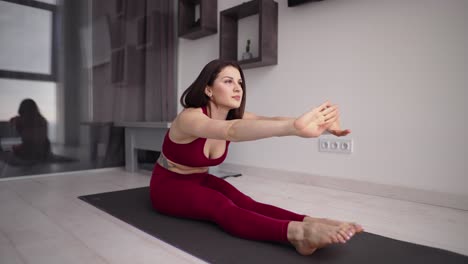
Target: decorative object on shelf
(292, 3)
(196, 22)
(267, 11)
(247, 55)
(197, 18)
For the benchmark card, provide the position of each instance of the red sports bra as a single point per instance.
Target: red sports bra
(190, 154)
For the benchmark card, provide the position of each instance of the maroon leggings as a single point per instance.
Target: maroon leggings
(207, 197)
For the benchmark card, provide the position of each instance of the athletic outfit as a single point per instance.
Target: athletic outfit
(207, 197)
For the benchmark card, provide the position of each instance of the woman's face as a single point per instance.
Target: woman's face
(226, 89)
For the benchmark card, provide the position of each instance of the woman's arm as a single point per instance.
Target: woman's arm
(17, 124)
(192, 122)
(334, 129)
(252, 116)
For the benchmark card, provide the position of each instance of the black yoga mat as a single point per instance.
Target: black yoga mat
(208, 242)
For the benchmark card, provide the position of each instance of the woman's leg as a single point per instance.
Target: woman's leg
(185, 197)
(189, 200)
(246, 202)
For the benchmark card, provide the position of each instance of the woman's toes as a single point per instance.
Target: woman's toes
(358, 228)
(344, 235)
(336, 239)
(350, 230)
(341, 239)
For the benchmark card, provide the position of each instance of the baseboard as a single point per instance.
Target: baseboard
(449, 200)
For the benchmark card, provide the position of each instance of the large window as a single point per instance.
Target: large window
(27, 49)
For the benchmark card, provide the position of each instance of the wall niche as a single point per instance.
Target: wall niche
(267, 11)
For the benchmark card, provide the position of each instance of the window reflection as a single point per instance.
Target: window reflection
(43, 93)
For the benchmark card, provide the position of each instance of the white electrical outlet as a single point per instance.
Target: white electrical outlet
(335, 145)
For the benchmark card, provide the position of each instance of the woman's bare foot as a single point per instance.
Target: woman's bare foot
(349, 227)
(306, 237)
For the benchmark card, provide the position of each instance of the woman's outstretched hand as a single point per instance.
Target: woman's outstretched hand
(335, 129)
(317, 121)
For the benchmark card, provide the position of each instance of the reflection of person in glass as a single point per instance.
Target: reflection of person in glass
(32, 128)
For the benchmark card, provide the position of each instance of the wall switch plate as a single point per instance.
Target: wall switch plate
(335, 145)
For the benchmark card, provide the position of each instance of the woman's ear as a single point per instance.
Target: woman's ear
(208, 91)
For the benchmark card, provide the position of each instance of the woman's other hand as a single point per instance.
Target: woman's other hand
(335, 129)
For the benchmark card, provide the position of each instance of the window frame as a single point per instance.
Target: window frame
(33, 76)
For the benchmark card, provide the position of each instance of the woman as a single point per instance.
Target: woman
(199, 137)
(32, 128)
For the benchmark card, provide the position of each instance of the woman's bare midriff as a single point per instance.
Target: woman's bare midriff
(182, 169)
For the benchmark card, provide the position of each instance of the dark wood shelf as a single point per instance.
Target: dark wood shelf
(207, 24)
(267, 11)
(292, 3)
(249, 61)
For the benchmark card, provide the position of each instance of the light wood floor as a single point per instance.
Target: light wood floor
(42, 221)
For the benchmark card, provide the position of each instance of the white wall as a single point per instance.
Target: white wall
(398, 69)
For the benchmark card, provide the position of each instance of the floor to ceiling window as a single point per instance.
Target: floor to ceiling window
(45, 89)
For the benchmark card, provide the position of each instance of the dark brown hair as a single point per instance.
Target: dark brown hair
(29, 111)
(194, 96)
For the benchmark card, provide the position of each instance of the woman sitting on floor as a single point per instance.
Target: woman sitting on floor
(32, 128)
(199, 137)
